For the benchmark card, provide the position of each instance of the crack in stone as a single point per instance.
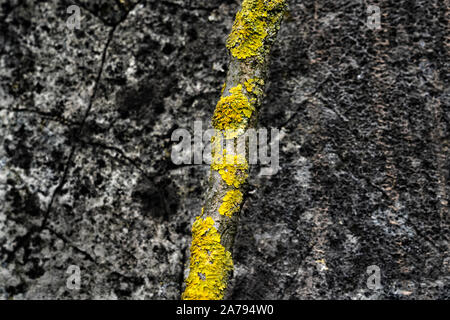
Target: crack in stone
(306, 101)
(83, 122)
(138, 165)
(134, 162)
(67, 241)
(150, 178)
(108, 266)
(80, 129)
(23, 241)
(44, 115)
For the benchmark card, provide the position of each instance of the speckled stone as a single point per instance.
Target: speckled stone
(86, 177)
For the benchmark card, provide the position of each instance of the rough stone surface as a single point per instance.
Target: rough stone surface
(86, 177)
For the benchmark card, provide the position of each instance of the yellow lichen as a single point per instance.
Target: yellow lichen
(232, 168)
(250, 27)
(210, 263)
(223, 88)
(250, 85)
(231, 202)
(232, 110)
(216, 145)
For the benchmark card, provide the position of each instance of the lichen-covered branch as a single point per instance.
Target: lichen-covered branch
(213, 232)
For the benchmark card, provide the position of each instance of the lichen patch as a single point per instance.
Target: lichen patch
(210, 263)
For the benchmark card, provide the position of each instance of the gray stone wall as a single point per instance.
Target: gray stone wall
(86, 178)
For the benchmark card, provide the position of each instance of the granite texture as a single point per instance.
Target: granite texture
(86, 177)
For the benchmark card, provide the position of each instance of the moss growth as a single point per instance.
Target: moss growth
(210, 263)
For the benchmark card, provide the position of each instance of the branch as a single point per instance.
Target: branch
(213, 232)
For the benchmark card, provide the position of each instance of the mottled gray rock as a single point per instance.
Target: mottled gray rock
(86, 177)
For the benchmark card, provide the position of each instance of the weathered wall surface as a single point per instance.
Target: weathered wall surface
(86, 177)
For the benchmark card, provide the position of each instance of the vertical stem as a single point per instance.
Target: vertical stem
(213, 232)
